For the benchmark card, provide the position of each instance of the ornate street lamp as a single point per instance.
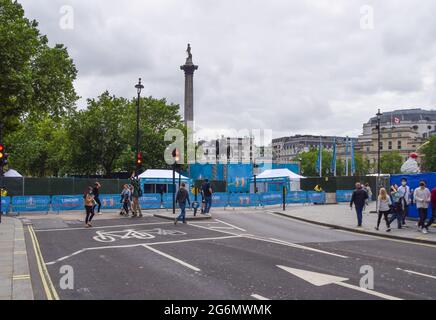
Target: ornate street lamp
(139, 88)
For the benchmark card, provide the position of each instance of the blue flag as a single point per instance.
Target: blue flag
(353, 160)
(319, 162)
(333, 165)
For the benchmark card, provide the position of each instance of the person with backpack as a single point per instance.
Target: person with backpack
(422, 197)
(384, 208)
(404, 190)
(397, 206)
(181, 198)
(359, 199)
(207, 196)
(88, 199)
(136, 194)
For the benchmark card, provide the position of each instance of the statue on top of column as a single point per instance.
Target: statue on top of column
(188, 50)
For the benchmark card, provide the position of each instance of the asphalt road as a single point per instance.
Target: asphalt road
(237, 255)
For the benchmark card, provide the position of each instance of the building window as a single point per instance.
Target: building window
(390, 145)
(381, 145)
(389, 135)
(399, 144)
(399, 135)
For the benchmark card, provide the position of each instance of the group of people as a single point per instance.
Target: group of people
(395, 204)
(182, 198)
(130, 198)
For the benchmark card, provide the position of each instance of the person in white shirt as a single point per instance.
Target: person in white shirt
(422, 197)
(384, 208)
(404, 190)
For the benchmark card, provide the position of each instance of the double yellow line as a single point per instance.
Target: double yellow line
(49, 288)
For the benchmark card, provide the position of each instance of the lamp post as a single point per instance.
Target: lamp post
(377, 187)
(139, 88)
(176, 160)
(255, 166)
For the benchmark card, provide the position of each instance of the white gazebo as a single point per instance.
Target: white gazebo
(11, 173)
(279, 176)
(161, 177)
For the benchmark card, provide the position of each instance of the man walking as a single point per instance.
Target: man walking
(96, 193)
(359, 198)
(207, 195)
(181, 198)
(136, 194)
(422, 197)
(404, 191)
(433, 209)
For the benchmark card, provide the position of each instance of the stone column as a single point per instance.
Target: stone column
(189, 69)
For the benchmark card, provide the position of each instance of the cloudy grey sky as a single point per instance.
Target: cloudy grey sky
(306, 66)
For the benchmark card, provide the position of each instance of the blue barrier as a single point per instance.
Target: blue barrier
(30, 203)
(6, 201)
(315, 197)
(271, 198)
(220, 199)
(67, 203)
(151, 201)
(242, 200)
(344, 195)
(110, 201)
(296, 197)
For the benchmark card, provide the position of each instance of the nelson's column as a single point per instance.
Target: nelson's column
(189, 67)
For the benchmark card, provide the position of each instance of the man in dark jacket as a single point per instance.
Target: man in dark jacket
(433, 209)
(181, 198)
(359, 199)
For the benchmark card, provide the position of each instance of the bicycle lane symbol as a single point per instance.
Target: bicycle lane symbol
(111, 236)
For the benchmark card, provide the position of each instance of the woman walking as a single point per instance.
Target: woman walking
(125, 200)
(384, 207)
(422, 197)
(89, 205)
(96, 193)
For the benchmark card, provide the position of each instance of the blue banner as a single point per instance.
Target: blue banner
(220, 199)
(6, 201)
(296, 197)
(315, 197)
(151, 201)
(30, 203)
(66, 203)
(343, 195)
(110, 201)
(269, 198)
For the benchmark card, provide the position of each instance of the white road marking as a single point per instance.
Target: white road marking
(299, 221)
(417, 273)
(259, 297)
(104, 227)
(231, 225)
(222, 228)
(320, 279)
(136, 245)
(183, 263)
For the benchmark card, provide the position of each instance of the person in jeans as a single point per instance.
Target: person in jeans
(404, 190)
(125, 200)
(181, 198)
(88, 198)
(433, 209)
(422, 197)
(136, 194)
(96, 193)
(384, 207)
(207, 194)
(397, 206)
(359, 199)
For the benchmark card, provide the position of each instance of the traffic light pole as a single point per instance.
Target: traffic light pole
(1, 174)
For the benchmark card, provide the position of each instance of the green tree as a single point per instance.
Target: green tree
(390, 162)
(429, 154)
(35, 78)
(309, 161)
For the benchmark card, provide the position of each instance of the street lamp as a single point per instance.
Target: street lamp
(377, 187)
(139, 88)
(176, 160)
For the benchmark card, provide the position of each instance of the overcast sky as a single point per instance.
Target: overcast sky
(307, 66)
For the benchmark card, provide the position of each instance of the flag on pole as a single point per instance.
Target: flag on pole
(333, 165)
(319, 162)
(353, 159)
(346, 157)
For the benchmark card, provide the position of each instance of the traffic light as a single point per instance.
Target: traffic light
(138, 159)
(3, 156)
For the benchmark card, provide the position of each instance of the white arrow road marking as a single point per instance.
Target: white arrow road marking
(417, 273)
(320, 279)
(259, 297)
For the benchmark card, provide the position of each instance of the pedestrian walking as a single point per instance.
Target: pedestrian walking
(433, 209)
(359, 199)
(384, 208)
(369, 192)
(88, 198)
(125, 200)
(397, 206)
(136, 194)
(422, 198)
(405, 192)
(207, 194)
(96, 193)
(181, 198)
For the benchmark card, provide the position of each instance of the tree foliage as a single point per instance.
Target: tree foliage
(391, 162)
(429, 154)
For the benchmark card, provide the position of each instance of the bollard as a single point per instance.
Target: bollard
(284, 198)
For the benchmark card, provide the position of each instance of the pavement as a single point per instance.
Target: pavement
(341, 217)
(241, 254)
(15, 283)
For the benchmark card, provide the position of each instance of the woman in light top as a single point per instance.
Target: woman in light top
(384, 208)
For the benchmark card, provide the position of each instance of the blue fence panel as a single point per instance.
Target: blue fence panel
(296, 197)
(413, 182)
(168, 200)
(243, 200)
(220, 199)
(270, 198)
(66, 203)
(315, 197)
(110, 201)
(151, 201)
(6, 202)
(30, 203)
(344, 195)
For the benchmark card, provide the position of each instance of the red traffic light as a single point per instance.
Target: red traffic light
(2, 147)
(139, 158)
